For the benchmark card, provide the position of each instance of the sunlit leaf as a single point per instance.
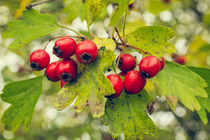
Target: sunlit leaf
(180, 81)
(104, 42)
(91, 87)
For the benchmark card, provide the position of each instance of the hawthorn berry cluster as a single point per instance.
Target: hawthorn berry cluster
(65, 69)
(134, 81)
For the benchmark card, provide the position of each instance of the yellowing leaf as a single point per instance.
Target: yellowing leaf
(23, 4)
(109, 44)
(90, 88)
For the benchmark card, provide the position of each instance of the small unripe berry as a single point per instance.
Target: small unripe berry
(63, 83)
(117, 84)
(64, 47)
(162, 63)
(50, 72)
(67, 70)
(180, 60)
(149, 66)
(127, 63)
(39, 59)
(133, 82)
(86, 51)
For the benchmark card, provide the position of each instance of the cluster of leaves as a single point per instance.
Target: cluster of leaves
(127, 113)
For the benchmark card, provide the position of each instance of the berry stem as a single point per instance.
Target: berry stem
(91, 32)
(29, 6)
(124, 24)
(81, 35)
(123, 43)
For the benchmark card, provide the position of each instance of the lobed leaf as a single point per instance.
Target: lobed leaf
(180, 81)
(204, 102)
(93, 9)
(32, 26)
(127, 114)
(91, 87)
(22, 96)
(153, 39)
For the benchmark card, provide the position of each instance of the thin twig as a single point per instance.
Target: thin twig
(123, 43)
(91, 32)
(118, 61)
(131, 46)
(81, 35)
(29, 6)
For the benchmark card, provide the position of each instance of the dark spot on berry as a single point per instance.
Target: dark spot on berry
(66, 77)
(35, 66)
(144, 75)
(57, 51)
(86, 57)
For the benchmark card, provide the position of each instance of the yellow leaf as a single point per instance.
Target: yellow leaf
(23, 4)
(104, 42)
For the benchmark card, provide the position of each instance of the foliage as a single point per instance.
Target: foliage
(22, 96)
(127, 114)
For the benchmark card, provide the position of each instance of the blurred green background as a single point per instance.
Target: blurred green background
(189, 18)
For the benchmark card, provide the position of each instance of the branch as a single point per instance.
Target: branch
(37, 3)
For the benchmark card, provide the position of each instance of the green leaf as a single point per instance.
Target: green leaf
(22, 96)
(93, 9)
(75, 9)
(32, 26)
(91, 87)
(153, 39)
(180, 81)
(109, 44)
(204, 102)
(127, 114)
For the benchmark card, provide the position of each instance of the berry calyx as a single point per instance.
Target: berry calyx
(133, 82)
(67, 70)
(127, 63)
(149, 66)
(86, 51)
(162, 63)
(51, 73)
(39, 60)
(117, 84)
(64, 47)
(180, 60)
(63, 83)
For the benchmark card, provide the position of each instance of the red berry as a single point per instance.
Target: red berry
(63, 83)
(149, 66)
(162, 63)
(67, 70)
(39, 59)
(51, 73)
(64, 47)
(86, 51)
(117, 84)
(133, 82)
(180, 60)
(127, 63)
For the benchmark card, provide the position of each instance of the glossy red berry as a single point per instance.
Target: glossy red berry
(133, 82)
(162, 63)
(127, 63)
(39, 59)
(117, 84)
(86, 51)
(67, 70)
(180, 60)
(149, 66)
(64, 47)
(51, 73)
(63, 83)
